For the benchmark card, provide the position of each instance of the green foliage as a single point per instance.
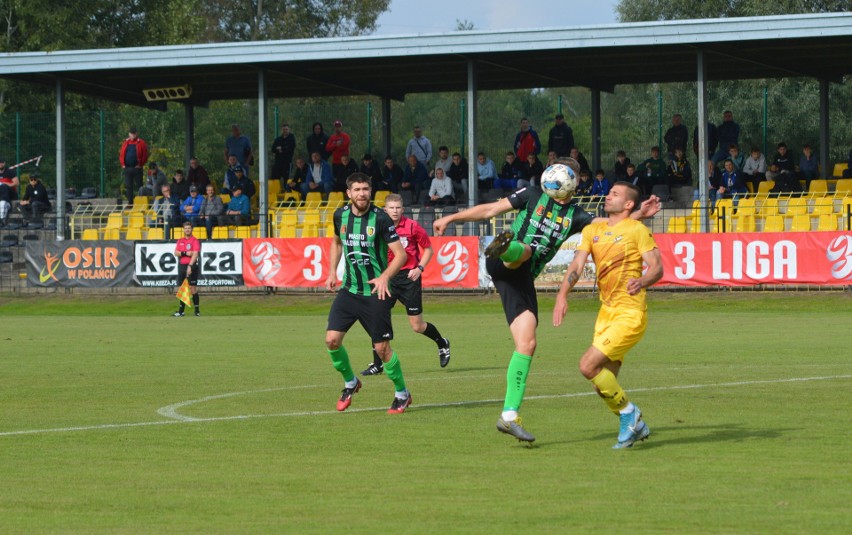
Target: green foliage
(647, 10)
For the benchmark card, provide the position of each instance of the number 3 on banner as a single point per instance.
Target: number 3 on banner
(314, 255)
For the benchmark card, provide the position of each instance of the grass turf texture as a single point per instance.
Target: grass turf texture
(767, 457)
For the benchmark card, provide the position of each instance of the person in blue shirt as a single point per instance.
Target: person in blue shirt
(414, 179)
(238, 211)
(190, 209)
(584, 185)
(486, 172)
(808, 165)
(601, 186)
(733, 185)
(240, 146)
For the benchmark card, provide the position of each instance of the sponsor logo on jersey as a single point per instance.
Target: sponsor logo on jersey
(371, 231)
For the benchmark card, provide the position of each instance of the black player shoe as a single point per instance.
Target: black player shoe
(500, 244)
(197, 313)
(178, 314)
(444, 354)
(372, 369)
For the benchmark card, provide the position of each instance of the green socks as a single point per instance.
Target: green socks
(513, 253)
(340, 360)
(394, 371)
(516, 378)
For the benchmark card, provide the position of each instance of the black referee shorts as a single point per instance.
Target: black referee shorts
(408, 292)
(373, 313)
(515, 286)
(193, 276)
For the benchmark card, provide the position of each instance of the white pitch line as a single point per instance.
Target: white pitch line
(170, 411)
(374, 409)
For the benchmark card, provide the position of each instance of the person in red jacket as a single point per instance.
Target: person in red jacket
(337, 147)
(132, 156)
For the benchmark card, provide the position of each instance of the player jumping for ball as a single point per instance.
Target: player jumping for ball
(406, 285)
(618, 246)
(515, 258)
(363, 234)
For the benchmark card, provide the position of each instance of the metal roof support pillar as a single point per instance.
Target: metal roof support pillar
(386, 130)
(60, 160)
(262, 153)
(701, 164)
(189, 134)
(472, 112)
(823, 129)
(596, 129)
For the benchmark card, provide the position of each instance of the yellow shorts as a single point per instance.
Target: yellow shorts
(618, 330)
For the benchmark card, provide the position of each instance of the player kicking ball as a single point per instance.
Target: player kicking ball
(406, 286)
(618, 246)
(546, 218)
(363, 234)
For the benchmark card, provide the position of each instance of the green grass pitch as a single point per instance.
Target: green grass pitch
(746, 395)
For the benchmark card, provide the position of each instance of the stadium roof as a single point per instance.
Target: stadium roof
(597, 57)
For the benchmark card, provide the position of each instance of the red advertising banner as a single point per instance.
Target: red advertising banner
(303, 262)
(746, 259)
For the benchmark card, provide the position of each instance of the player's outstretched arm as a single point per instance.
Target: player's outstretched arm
(333, 260)
(474, 213)
(648, 209)
(654, 272)
(572, 275)
(381, 284)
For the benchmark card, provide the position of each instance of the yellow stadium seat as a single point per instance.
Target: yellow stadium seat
(291, 197)
(274, 186)
(746, 223)
(843, 187)
(177, 233)
(225, 198)
(747, 206)
(115, 220)
(112, 234)
(243, 232)
(801, 223)
(823, 206)
(773, 223)
(827, 222)
(336, 198)
(310, 223)
(329, 228)
(676, 225)
(220, 233)
(136, 220)
(200, 232)
(765, 186)
(839, 168)
(725, 215)
(769, 206)
(313, 199)
(154, 234)
(818, 188)
(380, 197)
(133, 234)
(140, 203)
(91, 234)
(797, 206)
(288, 223)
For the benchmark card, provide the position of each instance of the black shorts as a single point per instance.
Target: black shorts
(373, 313)
(516, 288)
(409, 293)
(193, 275)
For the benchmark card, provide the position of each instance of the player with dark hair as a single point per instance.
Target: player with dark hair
(406, 285)
(364, 234)
(187, 251)
(514, 259)
(618, 246)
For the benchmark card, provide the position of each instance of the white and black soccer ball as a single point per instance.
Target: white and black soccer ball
(559, 182)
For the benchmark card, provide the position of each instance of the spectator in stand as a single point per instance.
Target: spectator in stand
(337, 146)
(601, 185)
(714, 181)
(342, 172)
(320, 176)
(238, 212)
(239, 180)
(754, 168)
(676, 136)
(190, 209)
(300, 175)
(459, 173)
(8, 189)
(847, 173)
(732, 185)
(509, 173)
(631, 175)
(783, 161)
(486, 172)
(619, 169)
(712, 140)
(240, 146)
(441, 190)
(584, 185)
(35, 201)
(370, 168)
(211, 209)
(561, 138)
(808, 165)
(578, 156)
(391, 176)
(531, 171)
(317, 141)
(735, 157)
(283, 148)
(414, 179)
(679, 172)
(728, 133)
(154, 182)
(444, 161)
(133, 156)
(197, 175)
(230, 174)
(420, 147)
(551, 157)
(653, 171)
(526, 141)
(180, 187)
(166, 210)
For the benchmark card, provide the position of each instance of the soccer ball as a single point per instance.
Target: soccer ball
(559, 182)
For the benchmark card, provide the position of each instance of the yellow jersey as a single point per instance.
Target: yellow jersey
(617, 252)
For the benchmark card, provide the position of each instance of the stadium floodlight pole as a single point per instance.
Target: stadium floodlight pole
(823, 128)
(702, 139)
(262, 154)
(60, 159)
(472, 182)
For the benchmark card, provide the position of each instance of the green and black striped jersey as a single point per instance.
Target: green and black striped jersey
(544, 224)
(365, 246)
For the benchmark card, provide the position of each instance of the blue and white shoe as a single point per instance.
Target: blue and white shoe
(633, 429)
